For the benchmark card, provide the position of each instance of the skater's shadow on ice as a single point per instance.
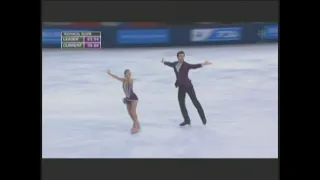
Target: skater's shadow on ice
(158, 125)
(174, 125)
(103, 127)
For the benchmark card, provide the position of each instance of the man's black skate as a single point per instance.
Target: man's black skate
(204, 121)
(185, 124)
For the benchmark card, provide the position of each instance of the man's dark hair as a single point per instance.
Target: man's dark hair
(180, 52)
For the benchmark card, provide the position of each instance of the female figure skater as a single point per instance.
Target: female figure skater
(131, 99)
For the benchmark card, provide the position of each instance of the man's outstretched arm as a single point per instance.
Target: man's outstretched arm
(170, 64)
(196, 66)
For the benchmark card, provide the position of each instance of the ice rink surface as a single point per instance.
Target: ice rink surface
(84, 117)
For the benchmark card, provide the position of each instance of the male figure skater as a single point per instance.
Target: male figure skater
(181, 69)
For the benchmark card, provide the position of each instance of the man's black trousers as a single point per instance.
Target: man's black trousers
(182, 91)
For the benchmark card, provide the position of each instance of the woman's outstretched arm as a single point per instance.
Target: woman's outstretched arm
(115, 76)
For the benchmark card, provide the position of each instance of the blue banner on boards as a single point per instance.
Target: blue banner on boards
(53, 36)
(145, 36)
(216, 34)
(270, 32)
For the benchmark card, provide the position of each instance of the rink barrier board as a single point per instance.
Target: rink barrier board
(166, 36)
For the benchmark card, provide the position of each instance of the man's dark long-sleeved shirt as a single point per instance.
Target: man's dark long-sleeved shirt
(182, 73)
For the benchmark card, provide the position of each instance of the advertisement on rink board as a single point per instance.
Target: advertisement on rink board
(216, 34)
(144, 36)
(269, 32)
(53, 36)
(192, 35)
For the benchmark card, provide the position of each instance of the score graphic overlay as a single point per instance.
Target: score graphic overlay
(81, 40)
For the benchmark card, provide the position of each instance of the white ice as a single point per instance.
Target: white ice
(84, 117)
